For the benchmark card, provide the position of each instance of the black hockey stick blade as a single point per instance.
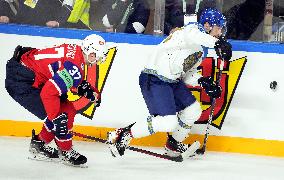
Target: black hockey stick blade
(162, 156)
(143, 151)
(89, 137)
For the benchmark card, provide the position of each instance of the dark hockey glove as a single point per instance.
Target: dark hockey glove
(210, 87)
(85, 89)
(223, 48)
(63, 97)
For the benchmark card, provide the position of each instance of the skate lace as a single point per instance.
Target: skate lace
(72, 153)
(177, 146)
(182, 147)
(48, 149)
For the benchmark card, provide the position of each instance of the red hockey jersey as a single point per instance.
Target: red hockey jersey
(57, 70)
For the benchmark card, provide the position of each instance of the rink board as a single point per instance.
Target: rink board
(248, 118)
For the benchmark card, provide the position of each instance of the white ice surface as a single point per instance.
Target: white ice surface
(14, 164)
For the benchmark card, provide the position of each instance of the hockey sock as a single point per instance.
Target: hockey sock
(46, 134)
(154, 124)
(140, 129)
(181, 132)
(65, 144)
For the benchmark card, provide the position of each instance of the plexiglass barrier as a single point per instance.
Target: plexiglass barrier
(255, 20)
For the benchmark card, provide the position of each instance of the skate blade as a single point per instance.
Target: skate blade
(171, 153)
(43, 158)
(191, 151)
(72, 165)
(113, 150)
(55, 160)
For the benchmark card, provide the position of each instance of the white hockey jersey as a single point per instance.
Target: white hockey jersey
(168, 57)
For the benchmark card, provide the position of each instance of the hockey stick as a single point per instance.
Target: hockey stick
(143, 151)
(213, 104)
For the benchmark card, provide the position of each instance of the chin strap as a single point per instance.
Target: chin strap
(209, 30)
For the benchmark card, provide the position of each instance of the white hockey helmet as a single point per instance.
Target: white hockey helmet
(95, 44)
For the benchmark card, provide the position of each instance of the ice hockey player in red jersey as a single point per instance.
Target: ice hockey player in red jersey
(39, 79)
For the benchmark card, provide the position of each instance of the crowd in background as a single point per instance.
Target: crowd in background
(245, 17)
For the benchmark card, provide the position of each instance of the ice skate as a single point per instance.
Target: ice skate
(40, 151)
(174, 148)
(73, 158)
(118, 140)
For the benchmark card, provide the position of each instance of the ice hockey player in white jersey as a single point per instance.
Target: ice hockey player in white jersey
(164, 81)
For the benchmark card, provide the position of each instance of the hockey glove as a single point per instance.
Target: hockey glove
(210, 87)
(85, 89)
(63, 97)
(223, 48)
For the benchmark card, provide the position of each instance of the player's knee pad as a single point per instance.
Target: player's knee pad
(68, 108)
(60, 126)
(164, 123)
(190, 114)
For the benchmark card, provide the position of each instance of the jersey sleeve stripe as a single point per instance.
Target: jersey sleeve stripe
(51, 70)
(56, 86)
(60, 83)
(54, 67)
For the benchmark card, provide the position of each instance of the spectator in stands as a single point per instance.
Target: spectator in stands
(278, 9)
(175, 10)
(206, 4)
(129, 16)
(174, 15)
(78, 14)
(51, 13)
(8, 10)
(244, 18)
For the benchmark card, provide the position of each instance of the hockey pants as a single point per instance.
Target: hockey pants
(18, 83)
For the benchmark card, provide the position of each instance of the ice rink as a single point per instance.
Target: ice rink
(14, 164)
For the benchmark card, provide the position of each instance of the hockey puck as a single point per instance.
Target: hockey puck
(273, 85)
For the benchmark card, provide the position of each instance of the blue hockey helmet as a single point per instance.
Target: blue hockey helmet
(213, 17)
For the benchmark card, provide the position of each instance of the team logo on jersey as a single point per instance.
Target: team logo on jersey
(96, 75)
(230, 77)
